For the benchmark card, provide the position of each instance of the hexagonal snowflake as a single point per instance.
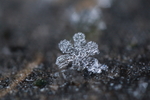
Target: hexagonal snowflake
(79, 54)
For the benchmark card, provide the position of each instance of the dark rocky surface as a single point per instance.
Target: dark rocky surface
(29, 28)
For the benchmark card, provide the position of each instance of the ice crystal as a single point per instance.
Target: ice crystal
(80, 54)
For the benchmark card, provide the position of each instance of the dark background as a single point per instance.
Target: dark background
(32, 27)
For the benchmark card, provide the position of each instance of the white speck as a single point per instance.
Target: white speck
(118, 87)
(111, 84)
(8, 87)
(29, 80)
(42, 90)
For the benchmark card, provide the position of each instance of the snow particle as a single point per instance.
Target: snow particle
(78, 53)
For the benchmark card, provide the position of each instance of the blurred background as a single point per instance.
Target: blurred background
(41, 24)
(120, 27)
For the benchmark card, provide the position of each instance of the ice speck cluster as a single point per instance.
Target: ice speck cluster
(79, 54)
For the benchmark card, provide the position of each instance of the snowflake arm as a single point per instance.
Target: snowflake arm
(92, 65)
(79, 39)
(65, 46)
(91, 48)
(63, 60)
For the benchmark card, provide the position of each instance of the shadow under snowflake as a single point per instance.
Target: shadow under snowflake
(79, 54)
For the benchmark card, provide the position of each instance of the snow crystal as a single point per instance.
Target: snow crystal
(78, 53)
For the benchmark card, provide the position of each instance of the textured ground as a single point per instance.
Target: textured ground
(29, 35)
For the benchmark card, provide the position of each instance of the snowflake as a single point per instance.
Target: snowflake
(79, 54)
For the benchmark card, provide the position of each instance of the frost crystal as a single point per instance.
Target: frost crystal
(79, 54)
